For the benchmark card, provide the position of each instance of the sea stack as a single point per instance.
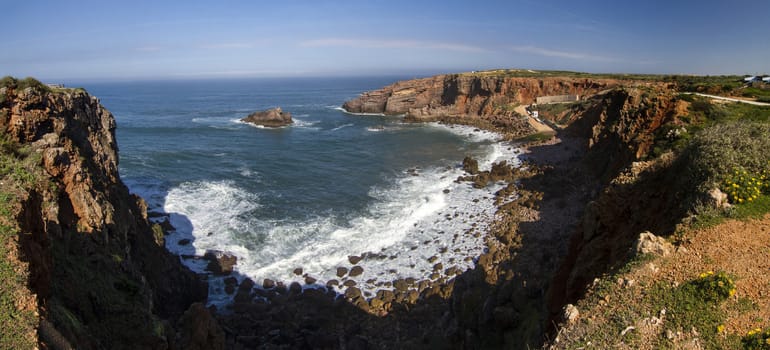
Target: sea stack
(271, 118)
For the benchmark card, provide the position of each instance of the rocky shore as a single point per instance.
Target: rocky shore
(105, 280)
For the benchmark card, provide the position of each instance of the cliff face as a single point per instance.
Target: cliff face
(636, 196)
(465, 98)
(100, 271)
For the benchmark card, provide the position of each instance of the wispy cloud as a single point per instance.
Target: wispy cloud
(389, 44)
(581, 56)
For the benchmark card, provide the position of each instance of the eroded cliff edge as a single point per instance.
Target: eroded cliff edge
(99, 270)
(487, 101)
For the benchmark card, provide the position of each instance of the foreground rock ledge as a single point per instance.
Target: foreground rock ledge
(271, 118)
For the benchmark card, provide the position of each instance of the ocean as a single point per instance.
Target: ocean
(330, 186)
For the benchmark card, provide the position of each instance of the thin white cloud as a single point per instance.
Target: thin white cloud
(580, 56)
(388, 44)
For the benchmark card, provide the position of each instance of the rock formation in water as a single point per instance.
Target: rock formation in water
(97, 267)
(271, 118)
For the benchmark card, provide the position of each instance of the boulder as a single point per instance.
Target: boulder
(271, 118)
(648, 243)
(470, 165)
(342, 271)
(570, 314)
(717, 199)
(356, 271)
(220, 263)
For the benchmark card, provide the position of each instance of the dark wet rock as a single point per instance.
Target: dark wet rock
(470, 165)
(295, 288)
(230, 284)
(342, 271)
(332, 283)
(376, 303)
(400, 285)
(244, 291)
(352, 293)
(423, 285)
(354, 259)
(349, 283)
(451, 271)
(184, 241)
(220, 263)
(446, 191)
(386, 296)
(410, 280)
(310, 280)
(268, 283)
(298, 271)
(432, 259)
(438, 267)
(165, 224)
(412, 296)
(356, 271)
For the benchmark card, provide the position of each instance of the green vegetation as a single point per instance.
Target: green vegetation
(716, 152)
(537, 137)
(756, 339)
(742, 186)
(28, 82)
(18, 173)
(695, 305)
(762, 95)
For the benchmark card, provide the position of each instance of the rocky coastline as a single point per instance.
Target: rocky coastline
(510, 299)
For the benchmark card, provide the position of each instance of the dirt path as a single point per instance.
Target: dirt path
(733, 99)
(536, 124)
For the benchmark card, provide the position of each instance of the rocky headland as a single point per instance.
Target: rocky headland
(99, 277)
(486, 101)
(271, 118)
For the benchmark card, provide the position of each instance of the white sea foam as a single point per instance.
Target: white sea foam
(341, 127)
(470, 133)
(305, 124)
(417, 221)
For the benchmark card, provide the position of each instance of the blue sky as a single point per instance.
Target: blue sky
(213, 39)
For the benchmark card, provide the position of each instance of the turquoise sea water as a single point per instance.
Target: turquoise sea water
(308, 195)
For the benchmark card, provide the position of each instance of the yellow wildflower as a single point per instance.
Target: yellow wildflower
(720, 328)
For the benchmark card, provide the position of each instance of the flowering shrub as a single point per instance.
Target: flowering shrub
(714, 287)
(742, 186)
(756, 339)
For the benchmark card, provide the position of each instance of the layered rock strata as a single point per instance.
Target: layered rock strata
(484, 101)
